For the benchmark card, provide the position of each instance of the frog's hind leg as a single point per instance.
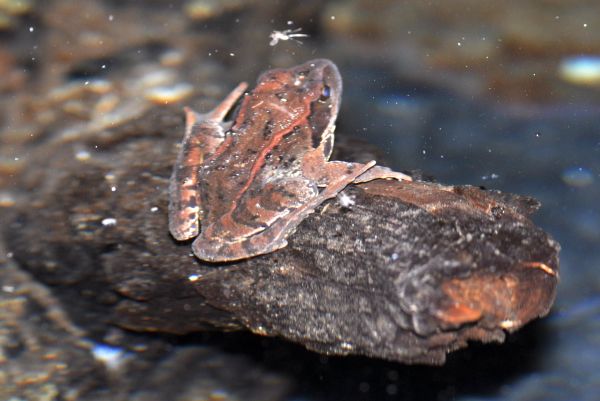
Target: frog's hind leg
(334, 177)
(204, 134)
(341, 174)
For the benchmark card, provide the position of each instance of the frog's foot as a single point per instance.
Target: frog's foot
(378, 172)
(218, 251)
(353, 173)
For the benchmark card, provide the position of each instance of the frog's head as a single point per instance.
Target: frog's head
(311, 89)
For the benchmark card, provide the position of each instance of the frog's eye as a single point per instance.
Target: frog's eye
(325, 93)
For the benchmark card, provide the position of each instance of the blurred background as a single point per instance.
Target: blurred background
(504, 95)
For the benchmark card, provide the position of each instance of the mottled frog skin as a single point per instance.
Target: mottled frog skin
(242, 187)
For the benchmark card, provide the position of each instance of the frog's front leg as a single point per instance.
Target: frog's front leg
(204, 134)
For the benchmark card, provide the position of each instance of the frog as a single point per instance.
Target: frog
(240, 188)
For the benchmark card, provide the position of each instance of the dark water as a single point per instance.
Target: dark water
(469, 92)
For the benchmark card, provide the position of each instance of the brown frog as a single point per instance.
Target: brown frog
(250, 182)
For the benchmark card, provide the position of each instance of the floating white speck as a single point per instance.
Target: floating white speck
(492, 176)
(582, 70)
(31, 29)
(109, 221)
(154, 209)
(8, 288)
(113, 189)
